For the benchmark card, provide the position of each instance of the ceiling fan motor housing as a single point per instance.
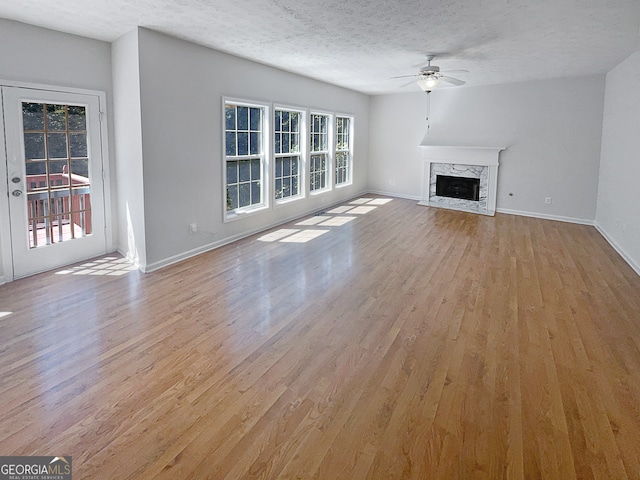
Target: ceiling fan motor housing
(429, 69)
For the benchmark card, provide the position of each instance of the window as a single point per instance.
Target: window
(244, 156)
(268, 156)
(343, 150)
(287, 153)
(319, 159)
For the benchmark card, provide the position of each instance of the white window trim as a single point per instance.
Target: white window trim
(351, 118)
(329, 151)
(266, 177)
(304, 152)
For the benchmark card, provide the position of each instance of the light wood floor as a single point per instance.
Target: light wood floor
(407, 342)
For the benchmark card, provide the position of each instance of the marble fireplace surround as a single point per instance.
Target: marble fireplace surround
(472, 162)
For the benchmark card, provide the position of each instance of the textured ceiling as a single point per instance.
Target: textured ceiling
(360, 44)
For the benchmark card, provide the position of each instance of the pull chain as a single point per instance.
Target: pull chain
(428, 110)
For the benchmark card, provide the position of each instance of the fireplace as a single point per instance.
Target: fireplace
(458, 187)
(460, 178)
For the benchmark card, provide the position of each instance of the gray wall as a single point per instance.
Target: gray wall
(618, 214)
(552, 130)
(37, 55)
(181, 90)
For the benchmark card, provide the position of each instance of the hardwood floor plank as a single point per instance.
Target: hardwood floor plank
(406, 343)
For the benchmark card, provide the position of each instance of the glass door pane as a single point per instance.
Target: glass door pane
(57, 172)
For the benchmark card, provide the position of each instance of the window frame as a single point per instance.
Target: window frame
(263, 156)
(349, 151)
(302, 153)
(328, 152)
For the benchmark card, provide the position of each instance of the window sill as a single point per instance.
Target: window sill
(238, 214)
(285, 201)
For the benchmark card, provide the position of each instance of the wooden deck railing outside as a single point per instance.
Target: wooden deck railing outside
(59, 210)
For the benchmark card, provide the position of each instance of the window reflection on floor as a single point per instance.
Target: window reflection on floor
(112, 266)
(313, 220)
(361, 210)
(336, 217)
(304, 236)
(336, 221)
(278, 235)
(341, 209)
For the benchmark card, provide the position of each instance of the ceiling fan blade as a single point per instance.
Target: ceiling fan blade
(412, 82)
(455, 71)
(406, 76)
(452, 80)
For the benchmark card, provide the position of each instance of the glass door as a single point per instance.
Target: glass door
(55, 181)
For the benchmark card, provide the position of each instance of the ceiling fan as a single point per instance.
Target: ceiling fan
(430, 76)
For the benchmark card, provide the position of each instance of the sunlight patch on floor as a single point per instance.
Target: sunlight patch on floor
(111, 266)
(304, 236)
(379, 201)
(312, 221)
(362, 210)
(278, 235)
(330, 218)
(361, 201)
(5, 314)
(341, 209)
(336, 221)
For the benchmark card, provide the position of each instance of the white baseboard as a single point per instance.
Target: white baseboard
(152, 267)
(132, 259)
(395, 194)
(3, 280)
(558, 218)
(621, 251)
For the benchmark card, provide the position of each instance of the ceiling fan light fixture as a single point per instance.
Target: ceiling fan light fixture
(428, 82)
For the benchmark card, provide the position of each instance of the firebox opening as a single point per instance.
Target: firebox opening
(458, 187)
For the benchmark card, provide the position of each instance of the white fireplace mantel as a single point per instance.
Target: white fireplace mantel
(487, 157)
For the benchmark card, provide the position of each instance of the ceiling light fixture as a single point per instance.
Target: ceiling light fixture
(428, 82)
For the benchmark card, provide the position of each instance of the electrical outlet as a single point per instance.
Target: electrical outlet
(547, 200)
(193, 228)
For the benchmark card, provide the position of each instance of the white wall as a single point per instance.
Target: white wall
(618, 213)
(552, 130)
(182, 85)
(128, 148)
(39, 56)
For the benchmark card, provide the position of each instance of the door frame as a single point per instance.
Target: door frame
(6, 253)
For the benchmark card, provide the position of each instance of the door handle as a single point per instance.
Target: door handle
(16, 179)
(16, 193)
